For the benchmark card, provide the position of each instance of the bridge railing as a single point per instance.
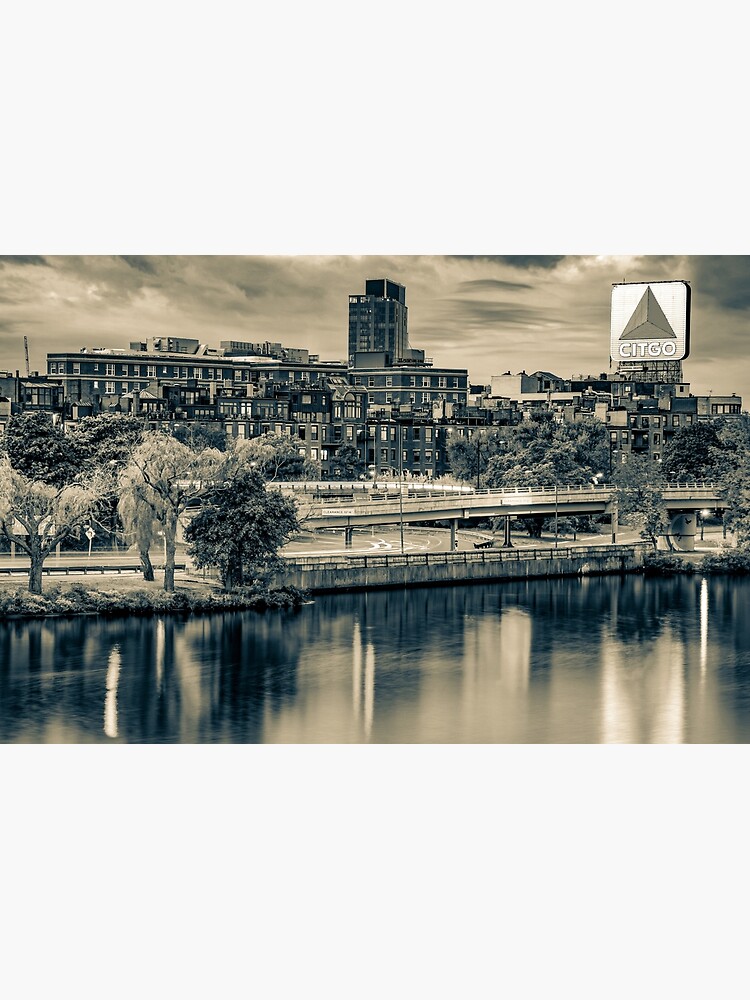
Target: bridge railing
(481, 556)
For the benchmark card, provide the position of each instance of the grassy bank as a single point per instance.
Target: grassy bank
(732, 563)
(136, 597)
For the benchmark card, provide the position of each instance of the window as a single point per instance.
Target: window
(137, 370)
(416, 434)
(124, 386)
(657, 438)
(96, 366)
(349, 433)
(123, 369)
(76, 369)
(109, 388)
(675, 421)
(428, 434)
(314, 454)
(425, 380)
(412, 380)
(442, 382)
(383, 456)
(313, 432)
(371, 381)
(412, 397)
(183, 373)
(110, 370)
(428, 456)
(389, 380)
(416, 458)
(384, 433)
(151, 371)
(425, 397)
(96, 384)
(197, 373)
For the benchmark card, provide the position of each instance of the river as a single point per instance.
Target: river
(591, 660)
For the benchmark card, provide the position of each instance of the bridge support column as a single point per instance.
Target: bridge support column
(681, 536)
(454, 532)
(507, 543)
(348, 532)
(13, 550)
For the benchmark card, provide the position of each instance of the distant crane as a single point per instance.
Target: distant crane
(26, 351)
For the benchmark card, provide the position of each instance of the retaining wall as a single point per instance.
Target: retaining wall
(439, 568)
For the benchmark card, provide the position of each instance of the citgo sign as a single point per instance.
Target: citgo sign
(650, 321)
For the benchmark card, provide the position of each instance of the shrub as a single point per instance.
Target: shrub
(659, 564)
(734, 563)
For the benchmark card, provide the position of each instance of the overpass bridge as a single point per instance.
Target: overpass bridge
(349, 506)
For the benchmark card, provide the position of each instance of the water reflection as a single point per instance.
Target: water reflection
(596, 660)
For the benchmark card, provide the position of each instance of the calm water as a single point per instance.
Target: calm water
(598, 660)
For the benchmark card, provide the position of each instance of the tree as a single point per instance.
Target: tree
(537, 452)
(106, 439)
(732, 471)
(469, 457)
(275, 456)
(198, 437)
(347, 463)
(639, 497)
(37, 516)
(138, 523)
(241, 528)
(166, 476)
(540, 452)
(691, 453)
(40, 450)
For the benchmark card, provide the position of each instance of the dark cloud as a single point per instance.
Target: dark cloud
(479, 312)
(21, 261)
(142, 264)
(528, 262)
(489, 284)
(725, 279)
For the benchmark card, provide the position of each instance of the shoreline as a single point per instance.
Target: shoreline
(133, 596)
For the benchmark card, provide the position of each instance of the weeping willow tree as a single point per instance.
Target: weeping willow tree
(165, 476)
(37, 516)
(138, 523)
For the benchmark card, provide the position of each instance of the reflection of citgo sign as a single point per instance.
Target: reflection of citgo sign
(650, 321)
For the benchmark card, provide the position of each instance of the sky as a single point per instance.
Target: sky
(490, 314)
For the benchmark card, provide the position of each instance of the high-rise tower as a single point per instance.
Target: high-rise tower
(378, 321)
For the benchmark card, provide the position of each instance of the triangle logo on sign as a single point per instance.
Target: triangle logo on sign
(648, 321)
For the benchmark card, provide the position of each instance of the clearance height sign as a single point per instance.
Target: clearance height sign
(650, 321)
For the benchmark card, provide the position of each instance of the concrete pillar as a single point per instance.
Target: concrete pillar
(681, 535)
(507, 543)
(454, 531)
(12, 550)
(348, 532)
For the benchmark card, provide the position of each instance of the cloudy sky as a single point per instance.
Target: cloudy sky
(488, 314)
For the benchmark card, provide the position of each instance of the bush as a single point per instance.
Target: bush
(78, 599)
(658, 564)
(732, 563)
